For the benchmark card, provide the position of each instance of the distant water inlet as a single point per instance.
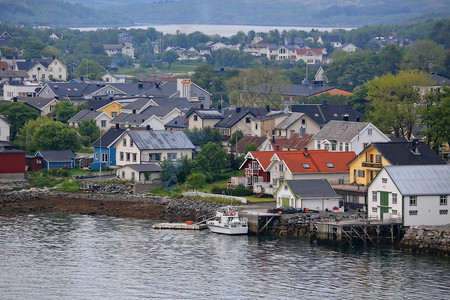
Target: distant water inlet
(90, 257)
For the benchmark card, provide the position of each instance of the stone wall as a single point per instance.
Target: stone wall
(427, 239)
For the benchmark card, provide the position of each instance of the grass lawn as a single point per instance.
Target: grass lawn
(184, 67)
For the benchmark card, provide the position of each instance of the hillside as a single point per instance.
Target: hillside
(251, 12)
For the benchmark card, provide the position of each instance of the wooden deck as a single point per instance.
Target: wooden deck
(180, 226)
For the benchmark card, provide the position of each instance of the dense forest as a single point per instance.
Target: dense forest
(251, 12)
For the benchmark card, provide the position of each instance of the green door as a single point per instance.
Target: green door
(384, 202)
(285, 201)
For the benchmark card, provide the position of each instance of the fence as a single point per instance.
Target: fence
(206, 195)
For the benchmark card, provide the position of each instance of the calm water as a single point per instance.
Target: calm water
(84, 257)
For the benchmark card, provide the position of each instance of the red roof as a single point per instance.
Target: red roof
(263, 157)
(303, 51)
(3, 65)
(316, 161)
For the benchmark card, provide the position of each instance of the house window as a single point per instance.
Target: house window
(128, 155)
(443, 200)
(374, 196)
(123, 174)
(384, 180)
(121, 156)
(394, 198)
(369, 131)
(330, 165)
(105, 157)
(306, 166)
(280, 167)
(60, 76)
(413, 212)
(394, 211)
(318, 145)
(50, 76)
(303, 121)
(247, 120)
(443, 211)
(172, 156)
(154, 157)
(346, 147)
(378, 159)
(361, 173)
(195, 118)
(131, 143)
(124, 142)
(39, 162)
(132, 176)
(134, 157)
(96, 156)
(412, 200)
(256, 126)
(103, 123)
(255, 165)
(374, 209)
(341, 147)
(333, 147)
(114, 114)
(285, 187)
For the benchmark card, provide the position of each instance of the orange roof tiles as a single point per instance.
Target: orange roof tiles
(317, 161)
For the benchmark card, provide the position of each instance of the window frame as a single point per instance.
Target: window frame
(413, 200)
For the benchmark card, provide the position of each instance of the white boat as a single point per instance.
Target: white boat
(227, 221)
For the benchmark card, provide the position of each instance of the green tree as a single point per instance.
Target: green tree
(90, 69)
(437, 118)
(200, 137)
(257, 87)
(50, 51)
(195, 181)
(89, 132)
(64, 110)
(211, 160)
(250, 147)
(390, 58)
(169, 57)
(17, 114)
(169, 172)
(394, 101)
(46, 134)
(235, 137)
(33, 49)
(425, 55)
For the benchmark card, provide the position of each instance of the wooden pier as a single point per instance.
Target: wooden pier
(356, 232)
(180, 226)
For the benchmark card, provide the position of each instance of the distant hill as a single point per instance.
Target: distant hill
(245, 12)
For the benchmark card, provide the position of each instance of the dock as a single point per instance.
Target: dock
(180, 226)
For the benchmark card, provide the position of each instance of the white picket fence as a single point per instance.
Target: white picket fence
(206, 195)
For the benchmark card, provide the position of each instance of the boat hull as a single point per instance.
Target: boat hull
(228, 230)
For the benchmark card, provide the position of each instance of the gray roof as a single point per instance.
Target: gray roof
(25, 65)
(293, 117)
(108, 138)
(205, 113)
(271, 115)
(303, 90)
(36, 102)
(275, 47)
(137, 104)
(14, 74)
(57, 155)
(163, 89)
(312, 188)
(160, 139)
(421, 180)
(438, 79)
(84, 115)
(340, 130)
(178, 122)
(72, 90)
(145, 167)
(232, 116)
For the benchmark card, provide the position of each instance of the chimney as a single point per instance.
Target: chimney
(268, 108)
(91, 108)
(81, 78)
(157, 85)
(140, 85)
(415, 147)
(305, 152)
(147, 127)
(117, 126)
(273, 139)
(238, 109)
(134, 111)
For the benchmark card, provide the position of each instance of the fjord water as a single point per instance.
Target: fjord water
(90, 257)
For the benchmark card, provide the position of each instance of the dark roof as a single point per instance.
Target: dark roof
(72, 90)
(205, 113)
(98, 102)
(303, 90)
(271, 115)
(232, 116)
(10, 150)
(178, 122)
(438, 79)
(401, 154)
(25, 65)
(36, 102)
(161, 89)
(137, 104)
(160, 139)
(323, 113)
(108, 138)
(312, 188)
(247, 140)
(14, 74)
(57, 155)
(145, 167)
(84, 115)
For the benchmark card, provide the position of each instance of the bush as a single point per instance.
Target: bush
(59, 172)
(240, 190)
(70, 186)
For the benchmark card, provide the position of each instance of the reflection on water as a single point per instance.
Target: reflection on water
(85, 257)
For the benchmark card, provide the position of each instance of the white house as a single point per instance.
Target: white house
(139, 172)
(416, 193)
(296, 123)
(11, 90)
(310, 194)
(152, 146)
(102, 119)
(347, 136)
(4, 130)
(114, 78)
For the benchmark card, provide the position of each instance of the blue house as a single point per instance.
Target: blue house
(104, 152)
(57, 159)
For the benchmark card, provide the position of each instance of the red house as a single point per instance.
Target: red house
(12, 163)
(33, 163)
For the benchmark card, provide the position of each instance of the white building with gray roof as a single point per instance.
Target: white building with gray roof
(152, 146)
(347, 136)
(418, 194)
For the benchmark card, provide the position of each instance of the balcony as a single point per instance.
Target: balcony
(251, 172)
(372, 165)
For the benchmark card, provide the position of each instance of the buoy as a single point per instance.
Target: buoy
(233, 213)
(189, 222)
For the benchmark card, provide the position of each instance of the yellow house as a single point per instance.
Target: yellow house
(113, 109)
(366, 165)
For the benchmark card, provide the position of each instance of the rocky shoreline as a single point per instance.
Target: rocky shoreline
(36, 201)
